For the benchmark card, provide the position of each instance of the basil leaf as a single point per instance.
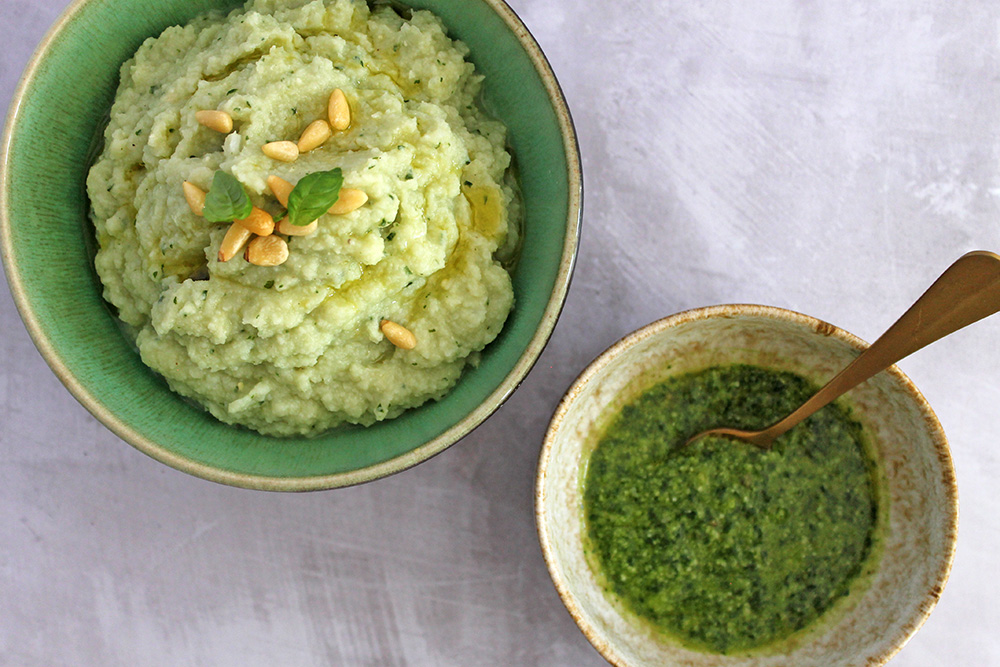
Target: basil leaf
(313, 195)
(226, 199)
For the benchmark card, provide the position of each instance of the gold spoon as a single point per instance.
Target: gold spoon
(967, 292)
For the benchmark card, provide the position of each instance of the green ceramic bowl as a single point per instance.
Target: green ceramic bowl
(52, 132)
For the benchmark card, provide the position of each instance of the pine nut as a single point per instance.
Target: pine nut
(195, 197)
(233, 241)
(349, 200)
(339, 110)
(259, 222)
(266, 251)
(281, 188)
(398, 335)
(288, 229)
(220, 121)
(286, 151)
(314, 135)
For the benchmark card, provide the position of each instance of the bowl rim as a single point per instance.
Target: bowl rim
(439, 443)
(603, 360)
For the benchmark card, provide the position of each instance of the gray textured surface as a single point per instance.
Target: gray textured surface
(830, 157)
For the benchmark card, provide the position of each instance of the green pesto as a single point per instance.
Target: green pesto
(721, 545)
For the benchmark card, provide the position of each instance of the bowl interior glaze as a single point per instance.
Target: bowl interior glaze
(53, 132)
(919, 509)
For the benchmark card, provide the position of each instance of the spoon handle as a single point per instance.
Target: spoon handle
(966, 292)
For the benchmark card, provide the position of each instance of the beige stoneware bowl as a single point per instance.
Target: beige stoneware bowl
(875, 620)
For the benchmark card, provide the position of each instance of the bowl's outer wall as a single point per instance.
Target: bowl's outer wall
(57, 117)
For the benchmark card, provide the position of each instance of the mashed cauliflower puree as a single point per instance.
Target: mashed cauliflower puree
(297, 348)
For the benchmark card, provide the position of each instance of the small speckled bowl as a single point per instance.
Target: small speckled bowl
(920, 503)
(53, 130)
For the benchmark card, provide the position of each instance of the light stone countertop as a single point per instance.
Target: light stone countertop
(829, 157)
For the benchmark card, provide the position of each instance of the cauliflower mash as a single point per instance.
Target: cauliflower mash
(303, 345)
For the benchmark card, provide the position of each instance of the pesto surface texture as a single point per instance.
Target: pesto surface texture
(721, 545)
